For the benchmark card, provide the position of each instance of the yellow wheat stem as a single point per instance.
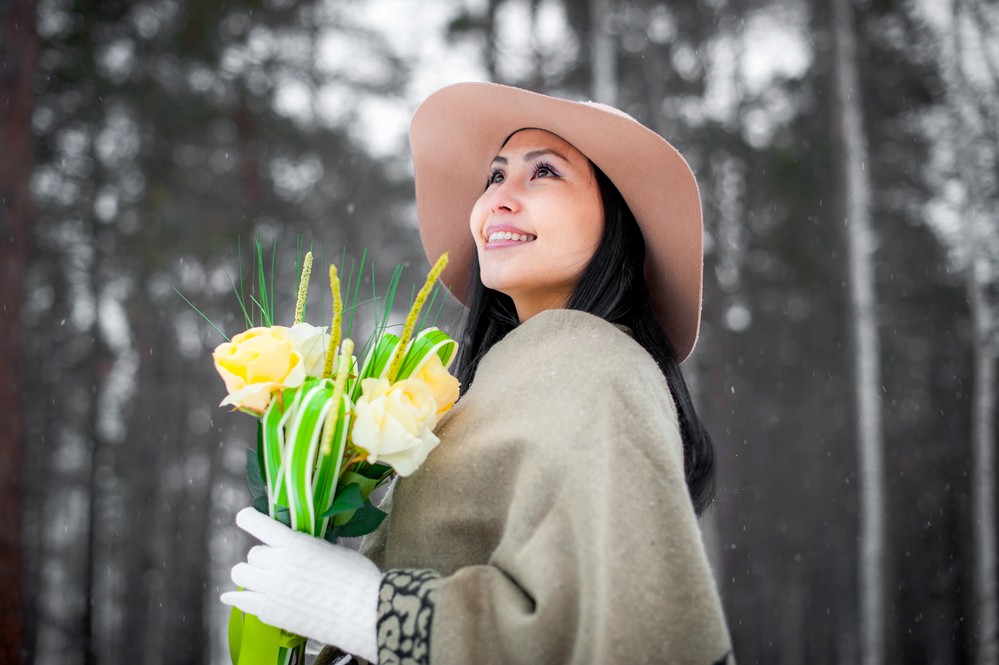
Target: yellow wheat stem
(414, 312)
(359, 456)
(337, 318)
(346, 352)
(303, 288)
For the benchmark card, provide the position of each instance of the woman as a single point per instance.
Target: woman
(556, 522)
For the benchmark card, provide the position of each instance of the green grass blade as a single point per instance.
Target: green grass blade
(430, 305)
(270, 295)
(261, 298)
(239, 298)
(323, 290)
(357, 286)
(439, 309)
(259, 307)
(389, 296)
(348, 309)
(210, 322)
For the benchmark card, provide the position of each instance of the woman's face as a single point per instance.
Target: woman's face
(544, 192)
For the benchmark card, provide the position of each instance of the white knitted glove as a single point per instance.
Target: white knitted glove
(308, 586)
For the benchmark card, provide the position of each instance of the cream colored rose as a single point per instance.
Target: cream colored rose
(257, 363)
(443, 387)
(394, 423)
(310, 342)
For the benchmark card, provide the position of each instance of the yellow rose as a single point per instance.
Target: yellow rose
(443, 387)
(256, 364)
(394, 423)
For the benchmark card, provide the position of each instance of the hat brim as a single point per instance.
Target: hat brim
(458, 130)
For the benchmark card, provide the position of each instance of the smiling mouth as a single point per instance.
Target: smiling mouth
(506, 237)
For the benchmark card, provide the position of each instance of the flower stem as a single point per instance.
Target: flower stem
(414, 313)
(335, 328)
(346, 352)
(303, 288)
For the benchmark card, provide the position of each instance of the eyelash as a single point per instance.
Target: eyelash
(537, 167)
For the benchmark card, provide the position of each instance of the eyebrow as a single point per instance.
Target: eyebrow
(533, 154)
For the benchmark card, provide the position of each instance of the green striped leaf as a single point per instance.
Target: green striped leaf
(273, 439)
(304, 430)
(422, 346)
(377, 362)
(328, 467)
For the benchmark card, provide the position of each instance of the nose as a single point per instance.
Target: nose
(503, 197)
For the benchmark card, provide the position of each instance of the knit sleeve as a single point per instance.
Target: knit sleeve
(599, 557)
(405, 613)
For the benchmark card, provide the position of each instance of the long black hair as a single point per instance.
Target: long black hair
(612, 286)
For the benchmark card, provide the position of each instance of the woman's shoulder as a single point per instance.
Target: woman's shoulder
(573, 333)
(572, 378)
(561, 348)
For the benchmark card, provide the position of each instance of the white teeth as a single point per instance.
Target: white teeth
(507, 235)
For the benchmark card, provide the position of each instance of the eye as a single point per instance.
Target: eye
(495, 176)
(544, 170)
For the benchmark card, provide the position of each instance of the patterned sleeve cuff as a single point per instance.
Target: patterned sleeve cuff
(405, 614)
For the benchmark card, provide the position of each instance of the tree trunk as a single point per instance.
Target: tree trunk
(971, 127)
(18, 57)
(603, 57)
(866, 343)
(983, 436)
(490, 31)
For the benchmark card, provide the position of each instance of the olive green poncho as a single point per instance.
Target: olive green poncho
(556, 514)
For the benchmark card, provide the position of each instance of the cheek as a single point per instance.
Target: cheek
(589, 228)
(476, 220)
(595, 218)
(596, 232)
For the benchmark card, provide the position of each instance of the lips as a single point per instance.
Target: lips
(507, 228)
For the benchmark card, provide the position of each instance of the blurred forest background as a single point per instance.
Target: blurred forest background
(847, 157)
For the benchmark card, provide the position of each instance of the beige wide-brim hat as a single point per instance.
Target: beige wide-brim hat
(456, 132)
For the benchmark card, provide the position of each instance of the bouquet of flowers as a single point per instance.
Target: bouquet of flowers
(330, 429)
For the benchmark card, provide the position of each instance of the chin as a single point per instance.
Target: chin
(501, 280)
(502, 287)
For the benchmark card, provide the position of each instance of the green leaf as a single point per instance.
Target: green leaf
(366, 484)
(365, 520)
(330, 535)
(260, 452)
(255, 476)
(260, 503)
(282, 515)
(349, 498)
(377, 471)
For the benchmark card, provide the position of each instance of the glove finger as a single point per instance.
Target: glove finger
(262, 527)
(266, 557)
(246, 601)
(251, 578)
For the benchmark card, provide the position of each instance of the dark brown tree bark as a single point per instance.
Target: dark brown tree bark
(18, 57)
